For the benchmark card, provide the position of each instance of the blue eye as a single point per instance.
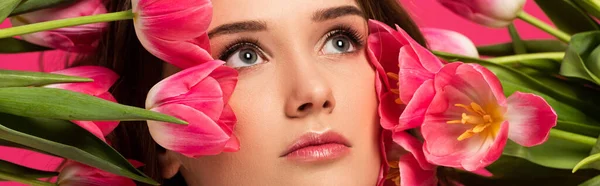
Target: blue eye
(338, 45)
(244, 57)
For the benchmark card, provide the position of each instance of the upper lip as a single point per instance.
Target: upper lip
(313, 139)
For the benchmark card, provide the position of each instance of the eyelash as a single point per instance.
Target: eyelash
(341, 30)
(239, 44)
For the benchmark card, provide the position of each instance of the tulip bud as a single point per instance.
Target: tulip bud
(449, 41)
(81, 39)
(492, 13)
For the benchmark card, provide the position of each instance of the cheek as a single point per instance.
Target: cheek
(354, 90)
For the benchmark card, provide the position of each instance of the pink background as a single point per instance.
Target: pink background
(427, 13)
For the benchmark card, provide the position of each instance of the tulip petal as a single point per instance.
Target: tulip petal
(414, 147)
(428, 60)
(412, 174)
(202, 136)
(182, 54)
(441, 146)
(412, 74)
(530, 118)
(227, 122)
(103, 78)
(449, 41)
(385, 49)
(180, 83)
(474, 81)
(384, 142)
(483, 172)
(389, 110)
(227, 78)
(414, 113)
(91, 127)
(415, 69)
(77, 174)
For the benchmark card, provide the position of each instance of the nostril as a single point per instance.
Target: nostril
(326, 104)
(304, 107)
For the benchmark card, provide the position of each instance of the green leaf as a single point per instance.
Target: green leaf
(582, 58)
(532, 46)
(33, 5)
(18, 178)
(14, 45)
(6, 7)
(65, 139)
(592, 7)
(554, 153)
(11, 78)
(592, 182)
(567, 16)
(68, 105)
(586, 161)
(23, 171)
(514, 171)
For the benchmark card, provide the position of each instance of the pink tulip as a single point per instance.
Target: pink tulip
(83, 38)
(492, 13)
(198, 95)
(460, 108)
(469, 118)
(77, 174)
(174, 32)
(103, 79)
(449, 41)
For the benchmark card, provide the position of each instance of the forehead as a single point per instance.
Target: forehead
(271, 11)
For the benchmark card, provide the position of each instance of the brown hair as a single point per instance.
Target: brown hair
(120, 50)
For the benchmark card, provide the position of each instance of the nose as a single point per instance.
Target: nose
(310, 94)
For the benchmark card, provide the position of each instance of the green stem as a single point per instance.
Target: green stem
(49, 25)
(34, 182)
(504, 59)
(521, 57)
(544, 26)
(458, 57)
(573, 137)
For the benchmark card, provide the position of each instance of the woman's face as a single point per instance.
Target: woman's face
(305, 100)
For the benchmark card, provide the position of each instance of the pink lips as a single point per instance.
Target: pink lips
(318, 147)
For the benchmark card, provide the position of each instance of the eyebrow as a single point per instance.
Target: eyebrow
(256, 26)
(237, 27)
(335, 12)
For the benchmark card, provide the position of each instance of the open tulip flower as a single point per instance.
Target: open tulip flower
(103, 79)
(82, 38)
(198, 95)
(492, 13)
(174, 32)
(77, 174)
(461, 110)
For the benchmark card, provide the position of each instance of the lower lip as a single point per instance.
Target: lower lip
(328, 151)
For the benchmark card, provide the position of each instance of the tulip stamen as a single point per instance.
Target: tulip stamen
(475, 116)
(393, 76)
